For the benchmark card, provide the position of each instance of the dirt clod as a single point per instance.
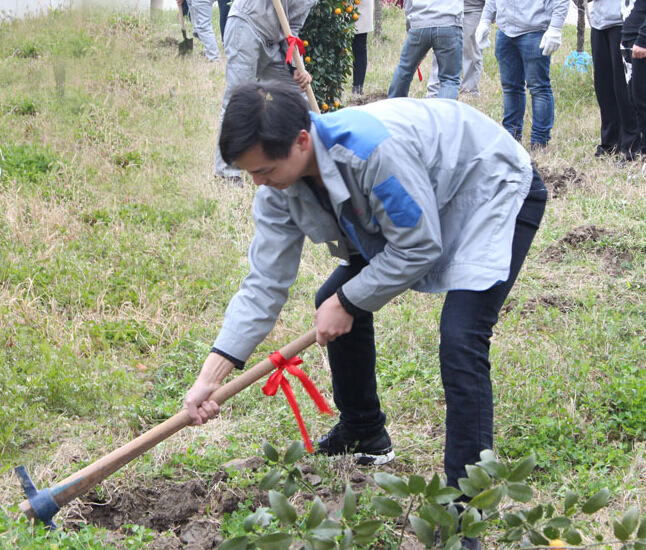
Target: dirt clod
(558, 182)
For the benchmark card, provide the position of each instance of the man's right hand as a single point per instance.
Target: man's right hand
(482, 34)
(197, 403)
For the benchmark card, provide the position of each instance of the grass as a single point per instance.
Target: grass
(119, 253)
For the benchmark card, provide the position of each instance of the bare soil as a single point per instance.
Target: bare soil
(188, 515)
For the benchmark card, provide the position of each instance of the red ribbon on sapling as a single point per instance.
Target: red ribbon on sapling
(293, 41)
(278, 379)
(419, 72)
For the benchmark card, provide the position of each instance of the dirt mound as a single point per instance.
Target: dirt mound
(546, 301)
(558, 182)
(366, 98)
(615, 259)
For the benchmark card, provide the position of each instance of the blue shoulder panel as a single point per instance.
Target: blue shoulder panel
(354, 129)
(399, 205)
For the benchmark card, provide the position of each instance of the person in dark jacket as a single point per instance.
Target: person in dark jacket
(619, 132)
(633, 44)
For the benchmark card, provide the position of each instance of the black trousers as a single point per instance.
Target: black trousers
(360, 54)
(466, 327)
(619, 130)
(636, 77)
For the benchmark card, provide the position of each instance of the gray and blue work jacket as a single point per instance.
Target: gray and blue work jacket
(516, 17)
(427, 191)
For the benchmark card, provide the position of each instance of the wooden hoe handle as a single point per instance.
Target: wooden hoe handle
(82, 481)
(284, 25)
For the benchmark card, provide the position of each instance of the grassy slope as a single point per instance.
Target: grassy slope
(119, 252)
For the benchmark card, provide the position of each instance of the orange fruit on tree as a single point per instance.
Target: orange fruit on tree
(325, 107)
(337, 11)
(308, 59)
(357, 2)
(557, 544)
(355, 16)
(336, 104)
(349, 9)
(306, 43)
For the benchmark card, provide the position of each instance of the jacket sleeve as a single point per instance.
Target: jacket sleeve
(274, 257)
(403, 205)
(489, 11)
(641, 38)
(559, 13)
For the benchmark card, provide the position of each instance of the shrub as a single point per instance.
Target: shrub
(328, 34)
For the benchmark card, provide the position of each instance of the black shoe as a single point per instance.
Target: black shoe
(468, 543)
(537, 146)
(357, 90)
(373, 450)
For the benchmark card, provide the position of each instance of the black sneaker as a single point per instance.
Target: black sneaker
(373, 450)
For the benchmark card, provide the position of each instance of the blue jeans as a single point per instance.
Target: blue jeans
(521, 62)
(446, 43)
(466, 326)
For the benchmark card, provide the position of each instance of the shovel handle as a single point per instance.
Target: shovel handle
(284, 25)
(181, 17)
(82, 481)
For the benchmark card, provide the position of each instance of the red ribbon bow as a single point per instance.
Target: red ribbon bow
(419, 72)
(278, 379)
(293, 41)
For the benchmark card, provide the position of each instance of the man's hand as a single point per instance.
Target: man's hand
(483, 30)
(214, 371)
(551, 40)
(302, 78)
(332, 321)
(638, 52)
(179, 2)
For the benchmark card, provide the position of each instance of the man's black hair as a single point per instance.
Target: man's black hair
(268, 115)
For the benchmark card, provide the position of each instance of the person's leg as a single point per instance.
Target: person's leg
(415, 48)
(466, 326)
(512, 79)
(433, 85)
(447, 46)
(202, 14)
(352, 363)
(471, 53)
(360, 63)
(224, 7)
(242, 48)
(637, 94)
(605, 92)
(628, 129)
(537, 75)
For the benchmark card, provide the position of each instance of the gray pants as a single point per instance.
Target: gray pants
(201, 16)
(471, 59)
(249, 59)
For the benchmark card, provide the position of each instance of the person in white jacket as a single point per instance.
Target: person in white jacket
(432, 25)
(529, 32)
(255, 49)
(421, 194)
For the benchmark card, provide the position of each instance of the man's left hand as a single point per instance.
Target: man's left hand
(302, 78)
(551, 40)
(638, 52)
(332, 321)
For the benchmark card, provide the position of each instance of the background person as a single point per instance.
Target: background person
(201, 15)
(426, 195)
(529, 32)
(436, 25)
(255, 48)
(633, 43)
(471, 53)
(619, 133)
(362, 27)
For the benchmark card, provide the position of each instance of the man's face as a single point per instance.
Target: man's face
(277, 173)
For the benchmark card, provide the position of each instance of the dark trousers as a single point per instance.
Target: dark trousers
(224, 7)
(618, 121)
(636, 68)
(466, 327)
(360, 54)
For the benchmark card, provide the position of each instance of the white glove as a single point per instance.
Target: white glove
(482, 34)
(551, 40)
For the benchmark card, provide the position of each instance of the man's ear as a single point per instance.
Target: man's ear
(304, 140)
